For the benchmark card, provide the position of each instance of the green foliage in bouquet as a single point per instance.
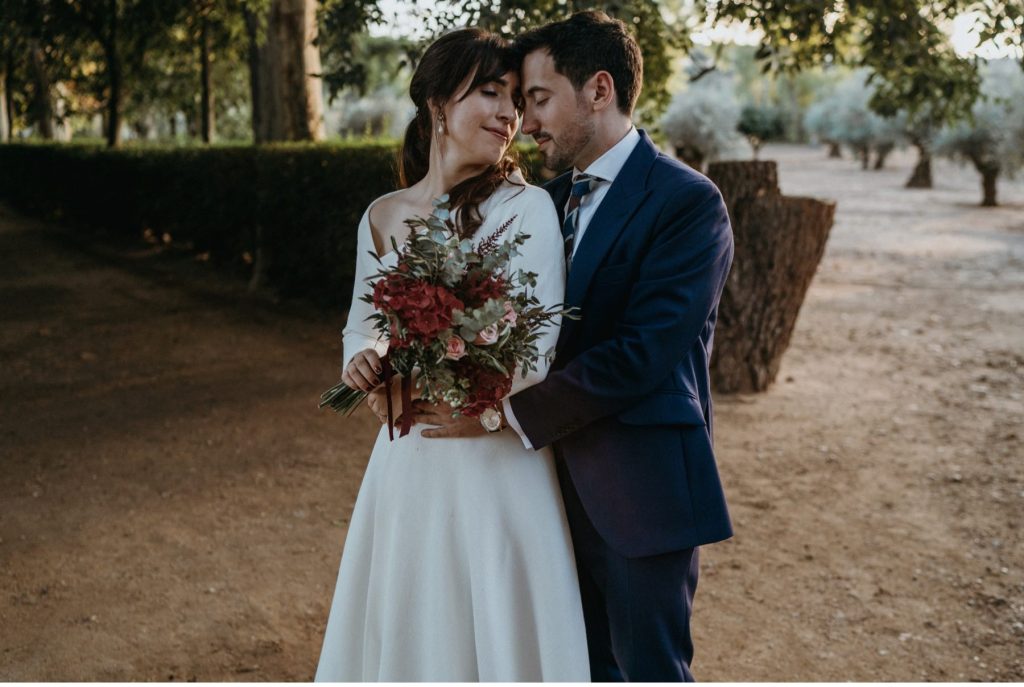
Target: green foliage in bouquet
(456, 317)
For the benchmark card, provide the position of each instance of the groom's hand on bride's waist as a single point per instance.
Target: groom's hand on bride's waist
(445, 425)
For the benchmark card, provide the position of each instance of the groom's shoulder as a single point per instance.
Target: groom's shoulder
(681, 186)
(668, 173)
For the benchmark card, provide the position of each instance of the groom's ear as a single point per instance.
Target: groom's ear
(601, 91)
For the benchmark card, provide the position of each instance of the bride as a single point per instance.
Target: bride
(458, 565)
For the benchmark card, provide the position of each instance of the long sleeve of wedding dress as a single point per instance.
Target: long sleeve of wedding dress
(359, 333)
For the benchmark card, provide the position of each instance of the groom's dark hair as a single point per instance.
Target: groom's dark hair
(586, 43)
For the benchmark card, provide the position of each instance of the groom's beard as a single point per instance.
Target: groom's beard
(563, 151)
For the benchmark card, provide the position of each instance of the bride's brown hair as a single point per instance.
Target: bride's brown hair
(445, 65)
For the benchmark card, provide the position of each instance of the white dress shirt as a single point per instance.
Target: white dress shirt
(606, 167)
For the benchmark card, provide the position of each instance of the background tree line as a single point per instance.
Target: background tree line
(867, 74)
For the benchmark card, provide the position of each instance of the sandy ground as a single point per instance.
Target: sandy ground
(173, 505)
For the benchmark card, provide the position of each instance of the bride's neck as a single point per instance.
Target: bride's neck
(445, 173)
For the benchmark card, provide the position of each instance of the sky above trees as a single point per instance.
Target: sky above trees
(402, 19)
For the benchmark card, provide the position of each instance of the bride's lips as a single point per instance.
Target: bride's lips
(503, 135)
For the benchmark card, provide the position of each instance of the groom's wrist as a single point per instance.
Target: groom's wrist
(493, 420)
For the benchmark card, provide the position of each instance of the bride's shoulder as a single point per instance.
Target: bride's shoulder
(382, 208)
(520, 194)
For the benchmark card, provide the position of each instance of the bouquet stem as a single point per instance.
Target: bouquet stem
(342, 399)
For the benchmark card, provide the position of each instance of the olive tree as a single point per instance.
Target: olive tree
(702, 121)
(993, 138)
(820, 122)
(844, 116)
(760, 124)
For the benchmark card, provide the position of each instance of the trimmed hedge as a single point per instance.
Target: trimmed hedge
(294, 208)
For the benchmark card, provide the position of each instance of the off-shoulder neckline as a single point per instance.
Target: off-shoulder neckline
(506, 185)
(369, 222)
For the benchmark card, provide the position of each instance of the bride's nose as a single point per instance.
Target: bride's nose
(507, 112)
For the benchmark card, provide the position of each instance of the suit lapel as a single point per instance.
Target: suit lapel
(623, 199)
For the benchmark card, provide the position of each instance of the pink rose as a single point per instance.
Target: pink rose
(456, 348)
(487, 336)
(510, 314)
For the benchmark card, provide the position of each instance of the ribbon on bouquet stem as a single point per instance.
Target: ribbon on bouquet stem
(406, 406)
(389, 374)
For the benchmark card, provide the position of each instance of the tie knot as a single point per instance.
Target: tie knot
(583, 184)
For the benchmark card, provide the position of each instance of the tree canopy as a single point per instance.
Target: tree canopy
(150, 60)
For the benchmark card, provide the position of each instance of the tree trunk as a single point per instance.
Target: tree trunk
(922, 176)
(881, 153)
(989, 172)
(989, 175)
(864, 153)
(111, 50)
(206, 87)
(988, 187)
(8, 94)
(114, 99)
(779, 241)
(834, 149)
(42, 96)
(290, 90)
(691, 156)
(252, 24)
(5, 117)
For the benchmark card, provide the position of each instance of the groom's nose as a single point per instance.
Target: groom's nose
(530, 123)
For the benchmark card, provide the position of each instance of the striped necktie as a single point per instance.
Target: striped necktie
(581, 186)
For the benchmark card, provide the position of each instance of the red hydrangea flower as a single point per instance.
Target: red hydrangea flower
(424, 310)
(488, 387)
(479, 287)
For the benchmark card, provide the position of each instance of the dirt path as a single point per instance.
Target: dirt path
(172, 504)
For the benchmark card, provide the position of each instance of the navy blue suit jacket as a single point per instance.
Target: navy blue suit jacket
(627, 403)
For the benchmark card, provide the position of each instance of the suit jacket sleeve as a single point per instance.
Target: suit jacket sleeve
(681, 277)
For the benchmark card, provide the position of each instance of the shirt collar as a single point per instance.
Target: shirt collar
(609, 165)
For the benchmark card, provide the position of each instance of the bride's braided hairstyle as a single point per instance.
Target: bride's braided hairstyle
(445, 65)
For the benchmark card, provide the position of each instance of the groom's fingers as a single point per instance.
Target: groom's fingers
(428, 418)
(429, 413)
(455, 427)
(437, 433)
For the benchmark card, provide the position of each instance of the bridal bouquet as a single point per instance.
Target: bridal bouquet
(454, 315)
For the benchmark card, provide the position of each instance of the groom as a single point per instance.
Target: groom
(627, 403)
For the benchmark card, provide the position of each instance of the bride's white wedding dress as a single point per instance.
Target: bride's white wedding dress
(458, 565)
